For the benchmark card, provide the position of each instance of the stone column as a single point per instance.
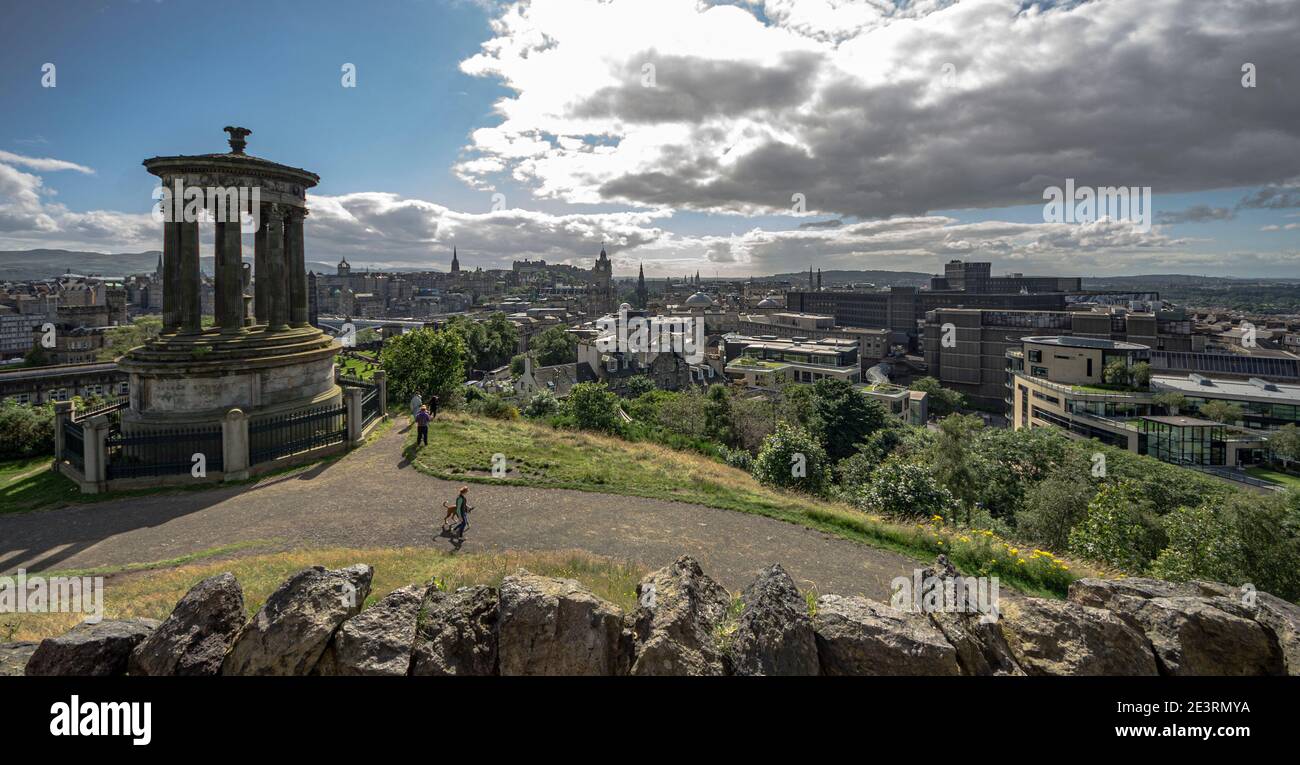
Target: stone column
(95, 432)
(191, 280)
(297, 268)
(277, 302)
(234, 445)
(356, 425)
(229, 278)
(62, 413)
(171, 276)
(381, 382)
(262, 274)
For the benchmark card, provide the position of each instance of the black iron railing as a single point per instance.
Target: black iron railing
(74, 444)
(278, 436)
(369, 407)
(112, 407)
(161, 452)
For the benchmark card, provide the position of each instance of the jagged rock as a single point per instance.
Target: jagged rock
(290, 632)
(456, 633)
(775, 636)
(1201, 626)
(981, 646)
(377, 641)
(557, 627)
(857, 636)
(1048, 637)
(679, 610)
(89, 649)
(1202, 636)
(194, 638)
(14, 657)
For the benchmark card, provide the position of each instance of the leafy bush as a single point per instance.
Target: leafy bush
(491, 405)
(738, 458)
(941, 401)
(27, 431)
(906, 489)
(1118, 529)
(791, 458)
(542, 404)
(425, 361)
(1054, 506)
(638, 386)
(844, 417)
(594, 407)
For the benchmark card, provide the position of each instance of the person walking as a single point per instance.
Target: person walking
(415, 404)
(433, 406)
(422, 426)
(461, 509)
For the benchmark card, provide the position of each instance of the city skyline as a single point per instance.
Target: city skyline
(682, 135)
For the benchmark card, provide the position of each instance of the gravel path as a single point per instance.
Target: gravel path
(373, 498)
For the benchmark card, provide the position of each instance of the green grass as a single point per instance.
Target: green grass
(461, 449)
(153, 593)
(353, 367)
(1275, 477)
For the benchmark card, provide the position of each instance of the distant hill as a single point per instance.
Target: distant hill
(23, 265)
(1158, 281)
(879, 278)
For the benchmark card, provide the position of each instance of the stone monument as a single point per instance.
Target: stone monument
(261, 355)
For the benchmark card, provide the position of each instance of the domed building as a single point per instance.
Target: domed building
(699, 300)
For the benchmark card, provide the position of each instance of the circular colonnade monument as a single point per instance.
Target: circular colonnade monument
(261, 355)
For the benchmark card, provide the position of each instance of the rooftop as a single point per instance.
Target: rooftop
(1224, 388)
(1085, 342)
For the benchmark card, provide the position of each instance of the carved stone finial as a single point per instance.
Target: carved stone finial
(237, 136)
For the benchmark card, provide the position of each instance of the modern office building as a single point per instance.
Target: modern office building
(978, 278)
(1057, 381)
(965, 348)
(771, 362)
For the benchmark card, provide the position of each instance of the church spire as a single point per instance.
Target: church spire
(455, 261)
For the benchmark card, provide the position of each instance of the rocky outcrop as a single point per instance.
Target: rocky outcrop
(775, 636)
(290, 632)
(1048, 637)
(14, 657)
(857, 636)
(377, 641)
(456, 633)
(194, 638)
(684, 624)
(679, 612)
(99, 649)
(557, 627)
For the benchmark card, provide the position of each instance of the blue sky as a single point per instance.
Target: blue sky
(694, 173)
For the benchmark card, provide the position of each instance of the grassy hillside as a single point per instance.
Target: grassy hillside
(152, 593)
(461, 448)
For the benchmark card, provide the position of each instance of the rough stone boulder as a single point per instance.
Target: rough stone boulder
(1194, 621)
(377, 641)
(456, 633)
(981, 647)
(557, 627)
(1049, 637)
(679, 610)
(775, 636)
(290, 632)
(857, 636)
(194, 638)
(88, 649)
(1202, 636)
(1099, 593)
(13, 658)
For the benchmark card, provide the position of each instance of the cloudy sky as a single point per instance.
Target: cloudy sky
(752, 136)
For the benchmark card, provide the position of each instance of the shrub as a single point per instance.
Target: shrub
(28, 431)
(844, 417)
(791, 458)
(1118, 529)
(738, 458)
(490, 405)
(594, 407)
(1054, 506)
(542, 404)
(638, 386)
(906, 489)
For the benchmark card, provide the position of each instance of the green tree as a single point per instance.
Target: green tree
(1221, 411)
(940, 400)
(542, 404)
(554, 345)
(954, 460)
(1117, 372)
(425, 361)
(517, 366)
(1171, 400)
(637, 386)
(28, 431)
(1141, 373)
(120, 339)
(905, 489)
(1119, 529)
(1053, 506)
(798, 405)
(717, 414)
(791, 458)
(1284, 444)
(844, 417)
(594, 407)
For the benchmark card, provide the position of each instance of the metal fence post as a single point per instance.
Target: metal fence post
(234, 445)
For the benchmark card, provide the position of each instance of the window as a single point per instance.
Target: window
(1035, 355)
